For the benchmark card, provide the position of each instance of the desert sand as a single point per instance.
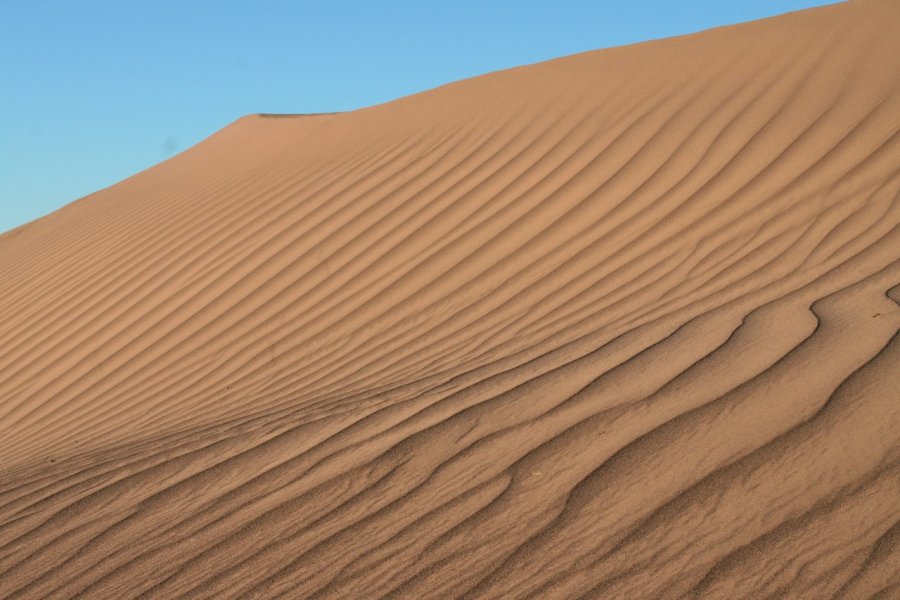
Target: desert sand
(618, 325)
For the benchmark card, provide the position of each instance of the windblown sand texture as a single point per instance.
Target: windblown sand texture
(619, 325)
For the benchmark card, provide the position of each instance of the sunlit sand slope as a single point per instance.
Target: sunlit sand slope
(619, 325)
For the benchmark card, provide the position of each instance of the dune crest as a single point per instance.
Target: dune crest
(618, 325)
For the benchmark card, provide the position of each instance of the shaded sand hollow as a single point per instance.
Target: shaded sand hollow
(619, 325)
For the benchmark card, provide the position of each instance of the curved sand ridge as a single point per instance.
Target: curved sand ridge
(620, 325)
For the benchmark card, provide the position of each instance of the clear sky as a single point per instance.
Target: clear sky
(93, 91)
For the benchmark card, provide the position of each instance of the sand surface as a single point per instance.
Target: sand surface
(619, 325)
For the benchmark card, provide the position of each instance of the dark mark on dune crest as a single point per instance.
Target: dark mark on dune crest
(296, 115)
(598, 328)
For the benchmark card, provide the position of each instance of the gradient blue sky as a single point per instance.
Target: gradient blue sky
(94, 91)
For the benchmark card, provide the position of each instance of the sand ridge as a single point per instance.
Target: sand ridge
(618, 325)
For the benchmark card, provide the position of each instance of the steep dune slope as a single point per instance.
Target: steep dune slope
(619, 325)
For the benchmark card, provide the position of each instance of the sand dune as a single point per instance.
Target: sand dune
(619, 325)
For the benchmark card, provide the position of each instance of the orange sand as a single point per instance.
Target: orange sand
(619, 325)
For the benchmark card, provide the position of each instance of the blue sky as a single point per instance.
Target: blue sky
(94, 91)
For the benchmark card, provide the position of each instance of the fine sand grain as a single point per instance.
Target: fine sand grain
(618, 325)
